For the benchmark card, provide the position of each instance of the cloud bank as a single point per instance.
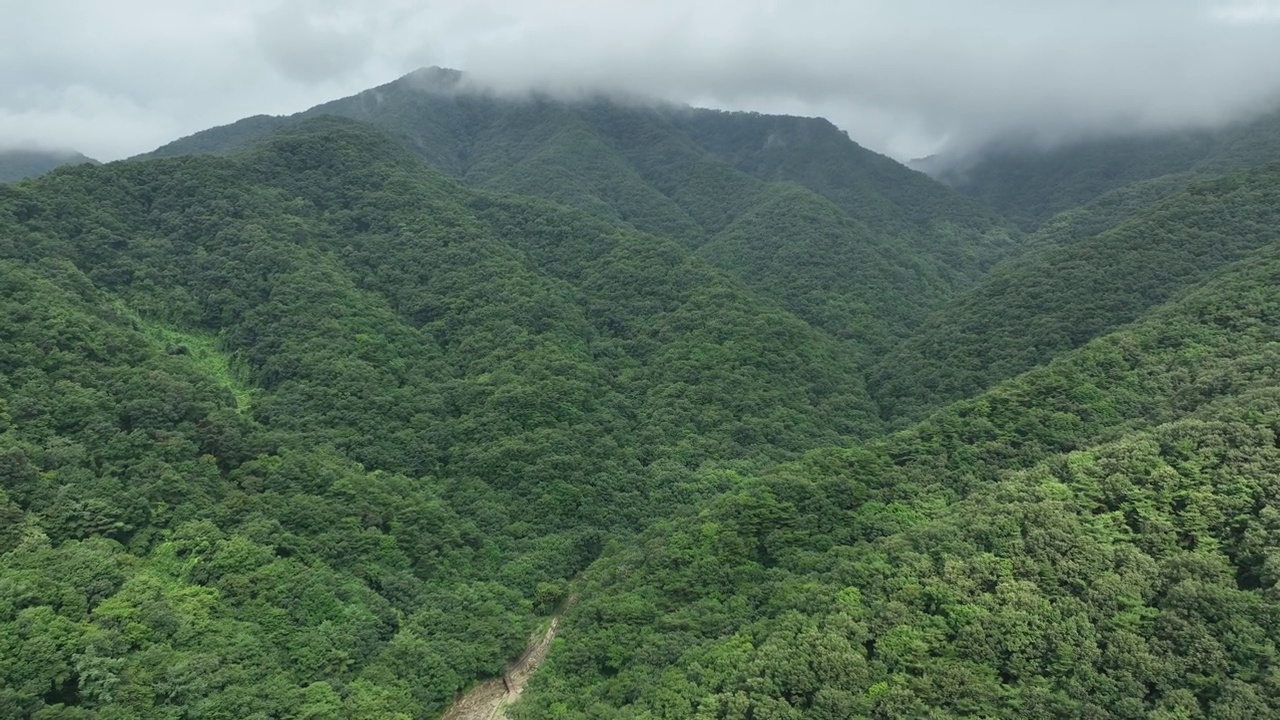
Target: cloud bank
(905, 77)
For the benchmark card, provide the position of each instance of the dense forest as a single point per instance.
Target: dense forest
(324, 416)
(1064, 292)
(873, 247)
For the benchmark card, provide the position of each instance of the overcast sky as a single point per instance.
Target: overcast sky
(905, 77)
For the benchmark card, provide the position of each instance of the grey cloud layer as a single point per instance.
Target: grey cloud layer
(904, 76)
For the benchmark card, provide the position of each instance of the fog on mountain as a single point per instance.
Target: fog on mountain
(441, 400)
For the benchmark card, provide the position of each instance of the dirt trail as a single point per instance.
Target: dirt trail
(489, 699)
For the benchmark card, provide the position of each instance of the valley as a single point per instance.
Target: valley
(433, 402)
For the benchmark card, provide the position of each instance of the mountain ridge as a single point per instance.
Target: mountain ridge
(327, 419)
(690, 174)
(1030, 185)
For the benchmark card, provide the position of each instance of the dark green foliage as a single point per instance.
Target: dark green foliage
(964, 236)
(311, 430)
(825, 257)
(160, 557)
(841, 223)
(1071, 289)
(223, 139)
(422, 407)
(1093, 539)
(1104, 212)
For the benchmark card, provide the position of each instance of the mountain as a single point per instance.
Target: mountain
(1091, 539)
(19, 164)
(1075, 285)
(1031, 185)
(755, 194)
(327, 416)
(317, 426)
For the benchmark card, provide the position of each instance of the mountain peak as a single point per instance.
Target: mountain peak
(433, 79)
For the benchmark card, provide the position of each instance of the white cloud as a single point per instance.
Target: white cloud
(1248, 13)
(899, 75)
(82, 118)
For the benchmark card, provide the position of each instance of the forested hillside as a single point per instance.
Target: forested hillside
(1069, 289)
(318, 426)
(1096, 538)
(761, 196)
(324, 416)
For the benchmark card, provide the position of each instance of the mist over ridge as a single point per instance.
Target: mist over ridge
(906, 78)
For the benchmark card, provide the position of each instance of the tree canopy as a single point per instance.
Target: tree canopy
(325, 416)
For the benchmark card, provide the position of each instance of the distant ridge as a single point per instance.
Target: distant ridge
(762, 196)
(22, 163)
(1031, 185)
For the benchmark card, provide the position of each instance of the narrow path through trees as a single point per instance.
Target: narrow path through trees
(489, 699)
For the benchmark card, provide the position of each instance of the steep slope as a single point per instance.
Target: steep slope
(1092, 539)
(830, 269)
(871, 188)
(455, 400)
(150, 566)
(847, 239)
(308, 429)
(1106, 211)
(1030, 186)
(1069, 290)
(18, 164)
(700, 178)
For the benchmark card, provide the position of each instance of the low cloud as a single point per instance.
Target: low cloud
(906, 77)
(310, 44)
(910, 76)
